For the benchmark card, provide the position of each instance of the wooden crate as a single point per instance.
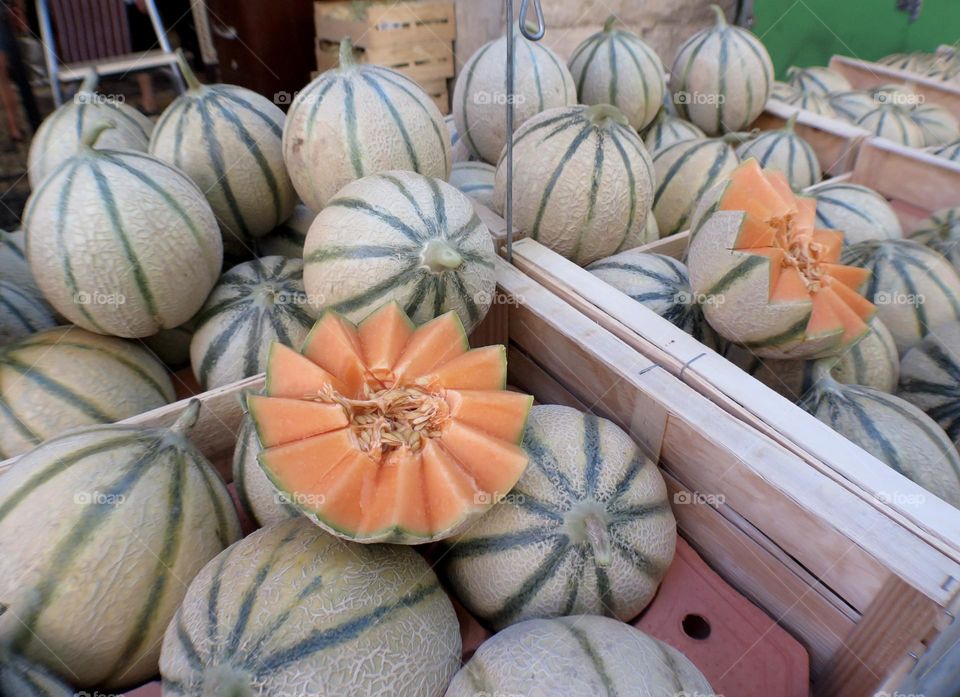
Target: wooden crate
(859, 589)
(835, 141)
(864, 75)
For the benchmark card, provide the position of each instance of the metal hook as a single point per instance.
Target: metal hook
(541, 24)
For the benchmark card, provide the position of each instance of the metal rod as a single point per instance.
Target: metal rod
(541, 25)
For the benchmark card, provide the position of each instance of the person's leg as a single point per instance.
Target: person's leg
(11, 106)
(148, 101)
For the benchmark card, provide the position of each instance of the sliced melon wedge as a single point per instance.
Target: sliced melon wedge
(799, 302)
(391, 432)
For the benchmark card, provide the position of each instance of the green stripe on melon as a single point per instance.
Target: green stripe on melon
(258, 497)
(615, 66)
(400, 236)
(938, 124)
(579, 655)
(66, 377)
(941, 232)
(292, 610)
(852, 104)
(818, 80)
(228, 140)
(60, 135)
(930, 378)
(587, 528)
(893, 123)
(914, 288)
(359, 120)
(721, 77)
(860, 213)
(812, 102)
(583, 182)
(661, 284)
(892, 430)
(685, 171)
(950, 151)
(785, 151)
(667, 130)
(783, 91)
(21, 678)
(14, 267)
(459, 152)
(288, 238)
(479, 96)
(475, 179)
(122, 243)
(128, 516)
(253, 304)
(22, 313)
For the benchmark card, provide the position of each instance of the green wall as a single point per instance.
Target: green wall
(809, 32)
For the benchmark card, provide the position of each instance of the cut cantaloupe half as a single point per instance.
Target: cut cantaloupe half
(803, 259)
(388, 432)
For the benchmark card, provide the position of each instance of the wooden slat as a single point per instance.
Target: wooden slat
(811, 441)
(888, 630)
(834, 141)
(864, 75)
(672, 245)
(386, 24)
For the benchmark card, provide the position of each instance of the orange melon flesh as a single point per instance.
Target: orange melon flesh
(436, 342)
(393, 433)
(766, 198)
(483, 368)
(494, 464)
(333, 345)
(290, 374)
(281, 420)
(500, 414)
(383, 335)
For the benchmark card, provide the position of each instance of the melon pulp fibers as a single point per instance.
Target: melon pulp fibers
(387, 432)
(770, 279)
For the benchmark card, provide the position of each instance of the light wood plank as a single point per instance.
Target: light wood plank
(911, 176)
(864, 75)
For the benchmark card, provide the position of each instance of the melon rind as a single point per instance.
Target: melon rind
(930, 378)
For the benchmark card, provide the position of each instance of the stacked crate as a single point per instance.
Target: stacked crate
(414, 38)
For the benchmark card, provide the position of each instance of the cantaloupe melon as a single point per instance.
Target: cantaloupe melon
(783, 91)
(938, 124)
(22, 313)
(587, 529)
(941, 232)
(684, 172)
(126, 517)
(21, 678)
(400, 236)
(387, 431)
(288, 238)
(66, 377)
(852, 104)
(818, 80)
(892, 430)
(475, 179)
(291, 611)
(721, 77)
(916, 62)
(859, 212)
(614, 66)
(227, 139)
(661, 284)
(257, 496)
(14, 267)
(872, 362)
(893, 123)
(930, 378)
(459, 152)
(480, 94)
(667, 130)
(582, 182)
(576, 657)
(357, 120)
(252, 305)
(950, 151)
(60, 136)
(785, 151)
(812, 102)
(122, 243)
(914, 288)
(769, 279)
